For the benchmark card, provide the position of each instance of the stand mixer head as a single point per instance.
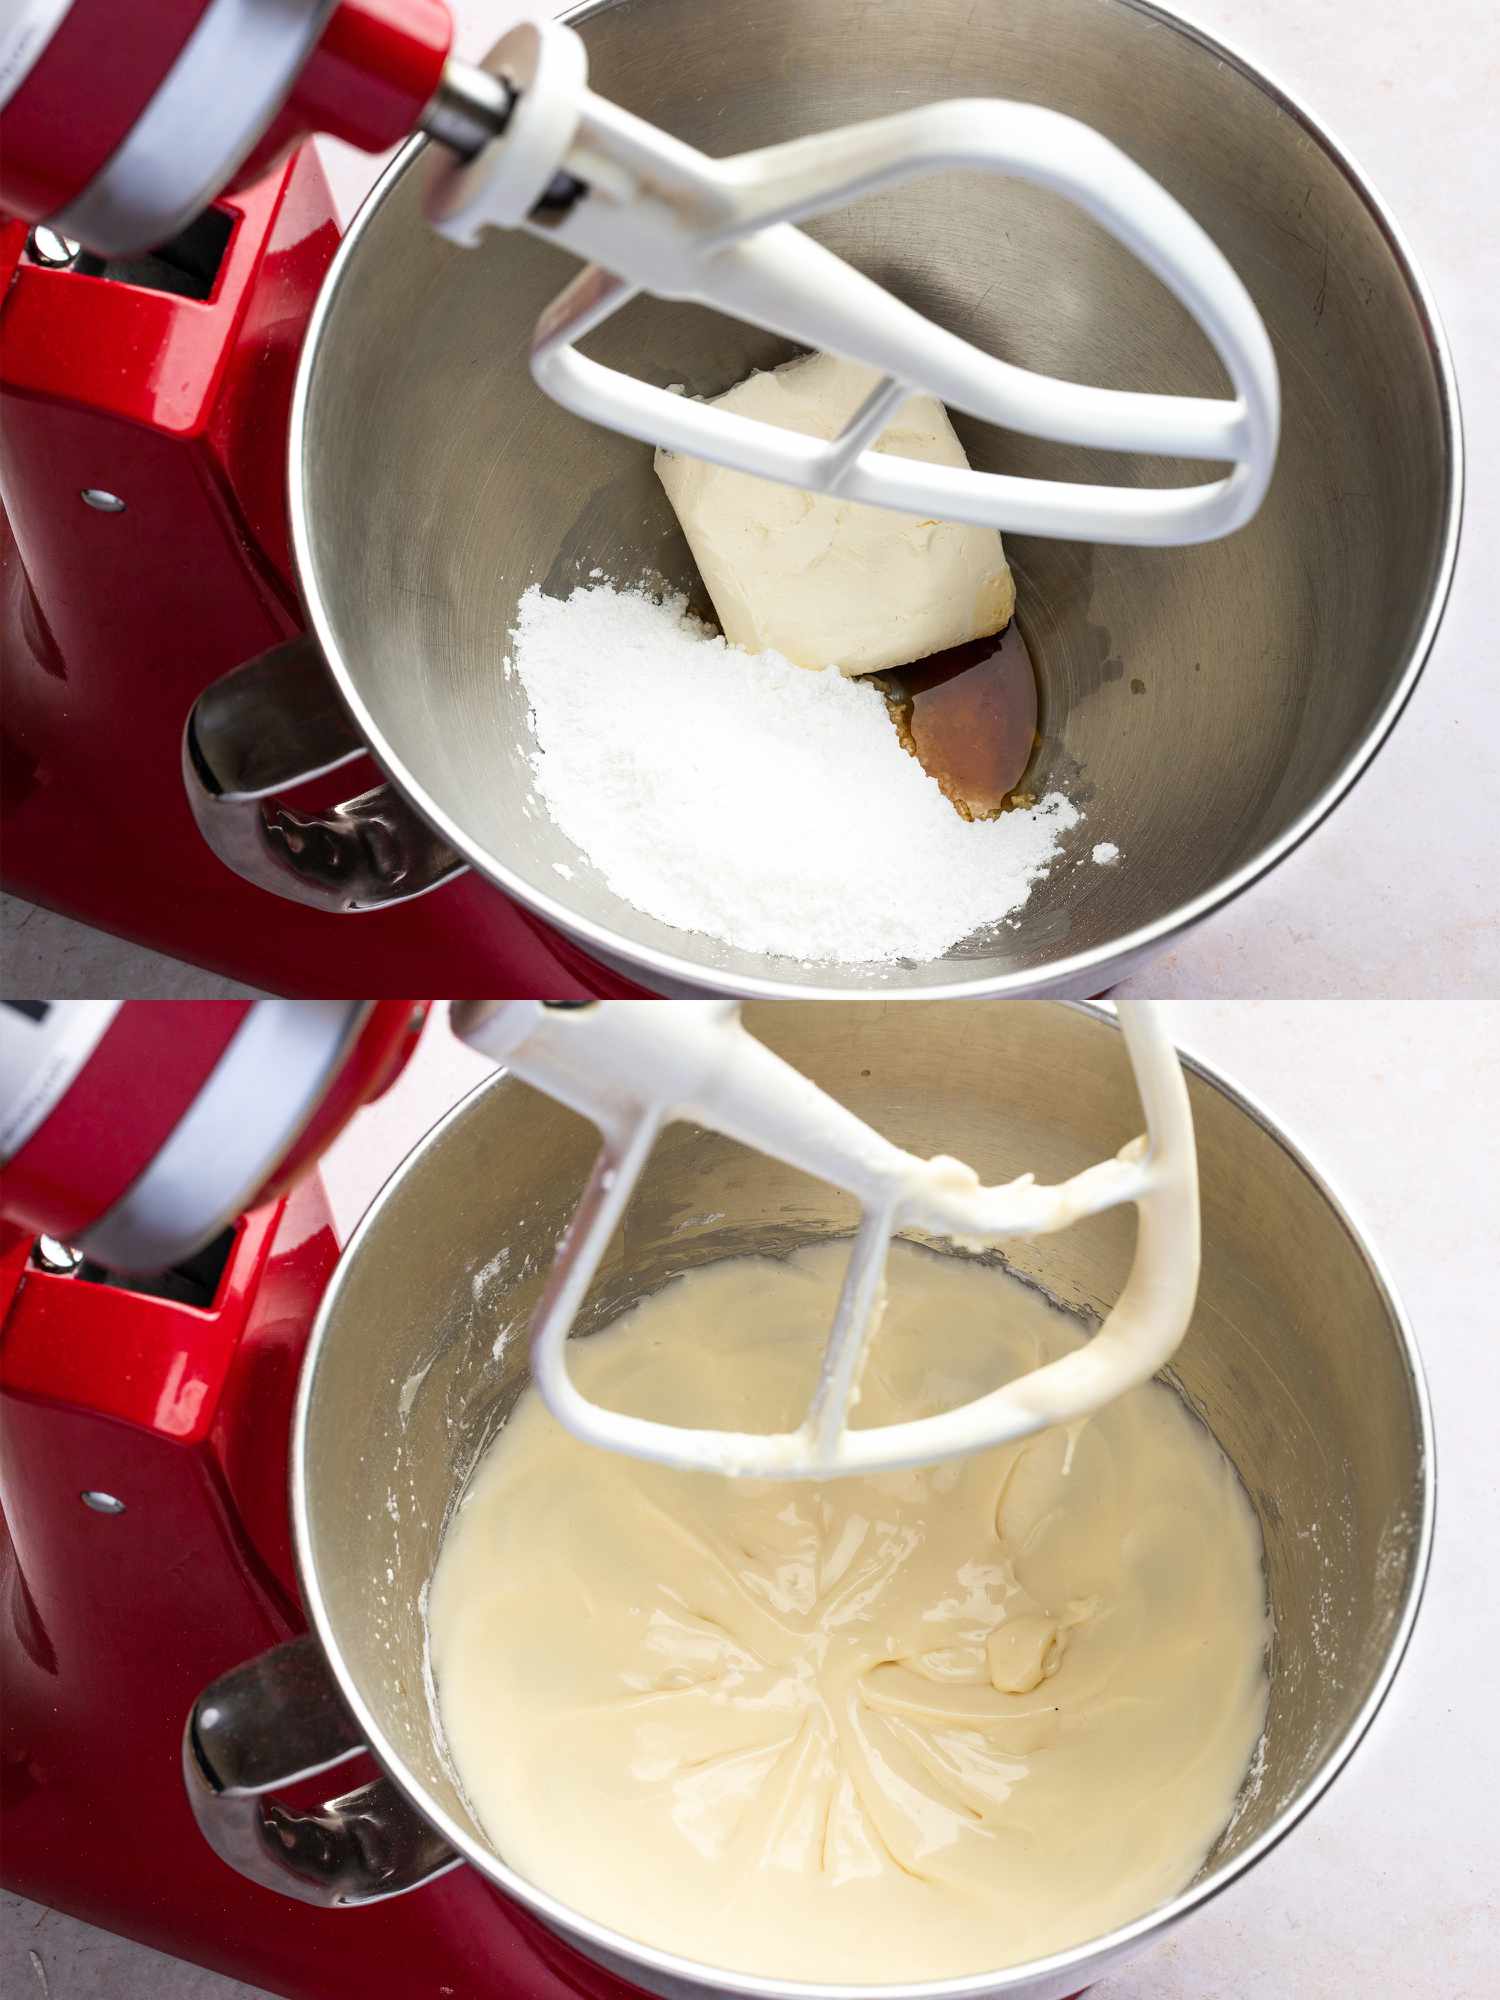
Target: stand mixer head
(633, 1067)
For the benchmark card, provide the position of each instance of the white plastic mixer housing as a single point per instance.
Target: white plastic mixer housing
(653, 214)
(634, 1066)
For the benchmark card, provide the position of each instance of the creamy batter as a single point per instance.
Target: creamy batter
(891, 1728)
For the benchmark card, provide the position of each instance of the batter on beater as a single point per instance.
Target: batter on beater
(897, 1727)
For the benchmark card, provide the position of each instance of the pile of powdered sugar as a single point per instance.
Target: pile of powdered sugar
(770, 807)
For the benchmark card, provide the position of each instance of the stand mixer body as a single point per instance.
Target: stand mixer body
(112, 622)
(178, 1415)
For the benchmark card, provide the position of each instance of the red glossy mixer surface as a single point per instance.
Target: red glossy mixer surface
(164, 381)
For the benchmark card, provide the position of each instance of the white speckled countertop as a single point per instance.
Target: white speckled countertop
(1396, 894)
(1390, 1887)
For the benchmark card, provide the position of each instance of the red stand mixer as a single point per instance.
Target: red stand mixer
(146, 1547)
(143, 399)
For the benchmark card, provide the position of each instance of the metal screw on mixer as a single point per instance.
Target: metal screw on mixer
(101, 1503)
(47, 247)
(61, 1258)
(101, 500)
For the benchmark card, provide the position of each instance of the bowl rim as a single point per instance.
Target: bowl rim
(1082, 1962)
(1083, 972)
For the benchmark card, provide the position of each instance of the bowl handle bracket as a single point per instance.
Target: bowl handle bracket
(277, 722)
(274, 1721)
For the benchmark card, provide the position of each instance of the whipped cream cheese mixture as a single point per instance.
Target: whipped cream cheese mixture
(892, 1728)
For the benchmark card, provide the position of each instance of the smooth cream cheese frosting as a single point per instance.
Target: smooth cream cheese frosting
(823, 581)
(883, 1729)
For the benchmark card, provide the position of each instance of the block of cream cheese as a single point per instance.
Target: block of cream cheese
(823, 581)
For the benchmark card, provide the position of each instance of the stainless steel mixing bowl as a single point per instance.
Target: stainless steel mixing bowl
(1298, 1361)
(1206, 706)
